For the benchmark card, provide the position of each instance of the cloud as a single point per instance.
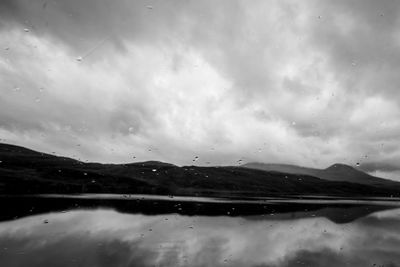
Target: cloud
(309, 83)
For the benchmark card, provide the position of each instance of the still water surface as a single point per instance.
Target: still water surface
(105, 236)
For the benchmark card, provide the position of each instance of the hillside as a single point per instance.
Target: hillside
(336, 172)
(24, 171)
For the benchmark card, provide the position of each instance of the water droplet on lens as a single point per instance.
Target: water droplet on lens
(154, 170)
(26, 30)
(358, 164)
(46, 221)
(79, 58)
(85, 173)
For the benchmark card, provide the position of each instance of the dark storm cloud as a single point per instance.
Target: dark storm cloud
(311, 82)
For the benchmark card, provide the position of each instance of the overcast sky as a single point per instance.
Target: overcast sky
(301, 82)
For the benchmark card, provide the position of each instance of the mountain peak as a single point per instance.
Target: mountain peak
(340, 166)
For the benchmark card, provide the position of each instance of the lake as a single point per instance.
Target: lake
(130, 230)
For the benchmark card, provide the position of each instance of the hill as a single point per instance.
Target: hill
(336, 172)
(24, 171)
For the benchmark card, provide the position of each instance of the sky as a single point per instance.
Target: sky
(309, 82)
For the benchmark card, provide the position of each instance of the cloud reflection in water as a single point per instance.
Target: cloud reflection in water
(107, 238)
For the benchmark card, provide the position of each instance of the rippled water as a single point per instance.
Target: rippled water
(103, 236)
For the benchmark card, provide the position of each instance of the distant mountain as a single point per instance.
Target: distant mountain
(24, 171)
(336, 172)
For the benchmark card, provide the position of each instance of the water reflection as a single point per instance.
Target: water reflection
(105, 237)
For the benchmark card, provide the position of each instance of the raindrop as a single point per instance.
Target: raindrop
(195, 158)
(46, 221)
(131, 129)
(16, 89)
(79, 59)
(154, 170)
(26, 30)
(41, 89)
(319, 17)
(358, 164)
(7, 48)
(293, 123)
(0, 161)
(85, 173)
(37, 99)
(93, 181)
(149, 7)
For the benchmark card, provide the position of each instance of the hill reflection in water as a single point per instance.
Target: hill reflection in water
(107, 237)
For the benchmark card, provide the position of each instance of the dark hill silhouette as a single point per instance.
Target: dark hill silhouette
(335, 172)
(24, 171)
